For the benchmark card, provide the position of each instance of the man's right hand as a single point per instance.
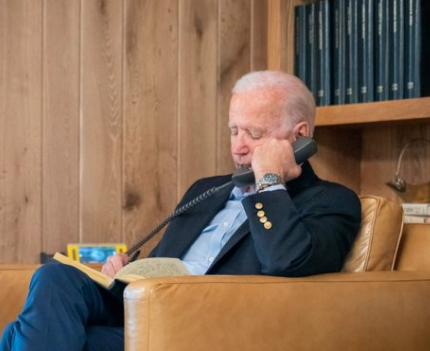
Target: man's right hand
(275, 156)
(114, 264)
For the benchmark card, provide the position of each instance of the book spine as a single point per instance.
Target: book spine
(424, 42)
(412, 48)
(381, 50)
(338, 51)
(416, 209)
(397, 49)
(351, 50)
(365, 50)
(323, 51)
(300, 42)
(311, 54)
(407, 219)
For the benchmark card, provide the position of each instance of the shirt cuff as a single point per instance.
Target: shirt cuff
(274, 187)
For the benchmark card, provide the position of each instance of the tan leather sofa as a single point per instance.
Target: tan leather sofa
(378, 303)
(14, 282)
(367, 307)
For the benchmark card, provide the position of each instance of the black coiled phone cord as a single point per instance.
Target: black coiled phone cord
(133, 252)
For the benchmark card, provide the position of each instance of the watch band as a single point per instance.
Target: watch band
(267, 180)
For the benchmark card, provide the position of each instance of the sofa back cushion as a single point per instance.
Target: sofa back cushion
(377, 243)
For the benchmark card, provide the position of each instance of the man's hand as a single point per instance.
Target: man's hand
(275, 156)
(114, 264)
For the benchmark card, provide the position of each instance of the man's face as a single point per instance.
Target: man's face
(253, 119)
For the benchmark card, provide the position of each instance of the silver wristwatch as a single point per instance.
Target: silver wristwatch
(267, 180)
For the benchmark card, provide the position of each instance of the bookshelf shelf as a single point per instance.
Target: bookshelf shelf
(407, 110)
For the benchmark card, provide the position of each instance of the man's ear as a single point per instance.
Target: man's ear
(301, 129)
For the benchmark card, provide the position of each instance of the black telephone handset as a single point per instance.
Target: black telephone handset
(303, 147)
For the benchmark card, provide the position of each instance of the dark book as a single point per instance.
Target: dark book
(397, 49)
(423, 60)
(381, 73)
(311, 49)
(323, 64)
(338, 51)
(300, 42)
(351, 51)
(417, 48)
(365, 51)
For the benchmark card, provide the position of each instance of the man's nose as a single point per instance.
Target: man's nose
(240, 146)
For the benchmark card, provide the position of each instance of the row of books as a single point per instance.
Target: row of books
(351, 51)
(416, 213)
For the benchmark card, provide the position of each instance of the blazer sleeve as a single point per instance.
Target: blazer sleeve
(307, 235)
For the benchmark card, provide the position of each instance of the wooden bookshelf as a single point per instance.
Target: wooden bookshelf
(408, 110)
(358, 144)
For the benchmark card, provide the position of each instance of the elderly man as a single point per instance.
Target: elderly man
(291, 223)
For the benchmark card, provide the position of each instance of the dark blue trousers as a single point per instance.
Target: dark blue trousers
(65, 310)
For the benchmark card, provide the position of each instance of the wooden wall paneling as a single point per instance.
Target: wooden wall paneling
(101, 120)
(281, 33)
(20, 130)
(338, 156)
(276, 36)
(381, 149)
(61, 39)
(415, 167)
(150, 116)
(197, 98)
(378, 157)
(259, 20)
(234, 54)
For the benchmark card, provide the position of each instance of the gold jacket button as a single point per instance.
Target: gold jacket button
(263, 219)
(268, 225)
(258, 205)
(261, 214)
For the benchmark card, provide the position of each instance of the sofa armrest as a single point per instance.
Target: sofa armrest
(14, 282)
(342, 311)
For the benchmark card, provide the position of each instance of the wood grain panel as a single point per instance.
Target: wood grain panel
(338, 157)
(61, 34)
(377, 160)
(150, 115)
(381, 149)
(101, 120)
(197, 98)
(20, 130)
(281, 34)
(276, 36)
(415, 166)
(401, 111)
(234, 61)
(259, 13)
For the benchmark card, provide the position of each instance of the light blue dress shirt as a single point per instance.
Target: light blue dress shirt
(207, 246)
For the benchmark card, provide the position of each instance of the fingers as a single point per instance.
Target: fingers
(125, 259)
(275, 156)
(114, 264)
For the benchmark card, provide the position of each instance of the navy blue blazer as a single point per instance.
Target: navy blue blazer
(313, 225)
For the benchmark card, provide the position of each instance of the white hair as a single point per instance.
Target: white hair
(298, 102)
